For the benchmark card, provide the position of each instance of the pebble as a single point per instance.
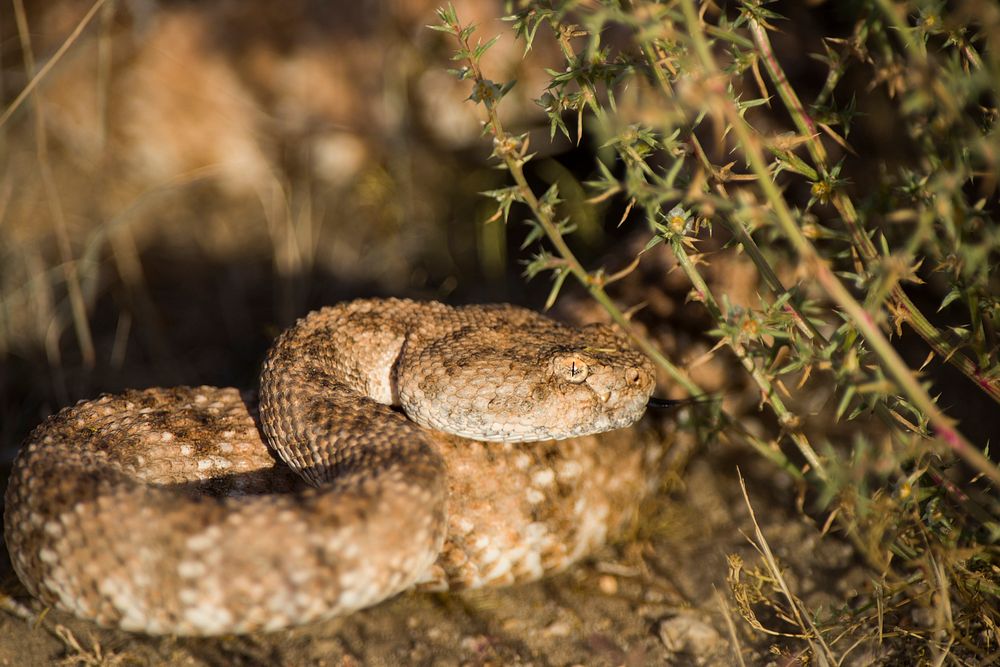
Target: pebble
(691, 636)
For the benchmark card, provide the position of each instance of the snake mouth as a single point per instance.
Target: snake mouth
(657, 403)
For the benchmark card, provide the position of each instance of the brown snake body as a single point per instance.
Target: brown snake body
(166, 510)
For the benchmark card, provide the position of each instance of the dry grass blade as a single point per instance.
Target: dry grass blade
(78, 305)
(811, 633)
(727, 614)
(16, 609)
(52, 62)
(94, 657)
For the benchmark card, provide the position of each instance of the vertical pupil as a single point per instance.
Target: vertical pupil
(572, 370)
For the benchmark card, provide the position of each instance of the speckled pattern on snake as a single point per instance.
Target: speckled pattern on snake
(420, 445)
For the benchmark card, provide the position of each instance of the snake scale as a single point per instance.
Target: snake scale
(421, 445)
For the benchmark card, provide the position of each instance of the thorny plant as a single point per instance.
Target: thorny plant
(680, 82)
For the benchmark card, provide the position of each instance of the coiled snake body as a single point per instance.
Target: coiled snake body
(164, 511)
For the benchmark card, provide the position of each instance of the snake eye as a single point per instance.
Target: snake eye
(572, 369)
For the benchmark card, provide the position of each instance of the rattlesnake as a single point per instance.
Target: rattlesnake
(164, 511)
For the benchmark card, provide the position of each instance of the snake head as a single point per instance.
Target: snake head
(526, 383)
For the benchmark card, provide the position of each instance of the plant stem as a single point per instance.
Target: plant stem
(943, 426)
(785, 416)
(503, 144)
(987, 380)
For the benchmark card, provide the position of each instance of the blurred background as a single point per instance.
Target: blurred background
(186, 179)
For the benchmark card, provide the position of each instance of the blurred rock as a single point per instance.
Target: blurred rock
(686, 634)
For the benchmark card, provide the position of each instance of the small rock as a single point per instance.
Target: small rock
(923, 617)
(558, 629)
(608, 584)
(686, 634)
(477, 644)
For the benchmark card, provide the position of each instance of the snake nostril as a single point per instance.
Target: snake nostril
(632, 375)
